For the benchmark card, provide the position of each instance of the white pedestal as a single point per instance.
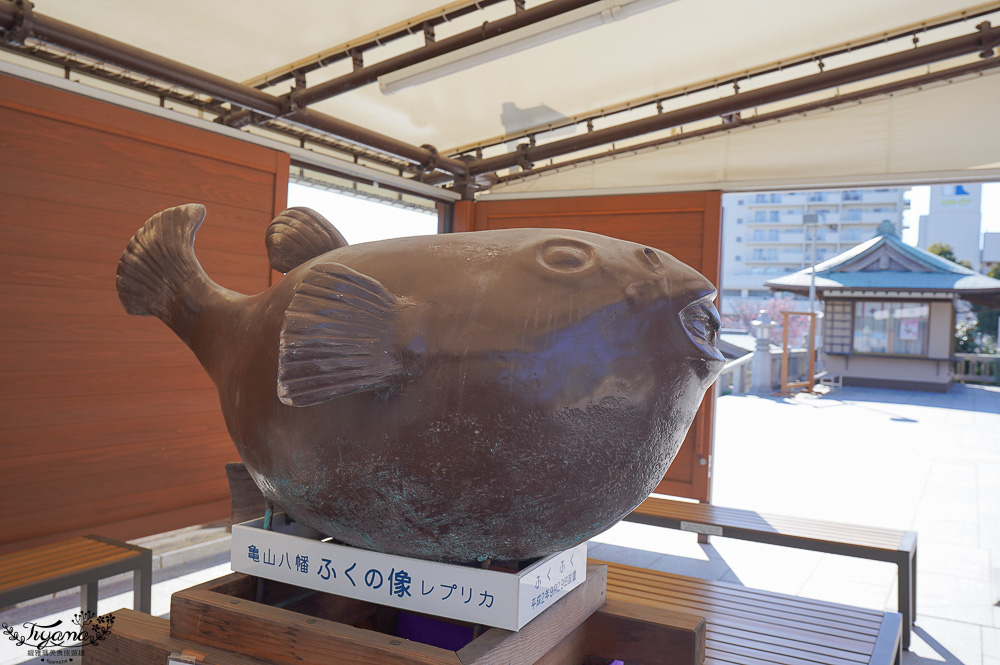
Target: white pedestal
(295, 554)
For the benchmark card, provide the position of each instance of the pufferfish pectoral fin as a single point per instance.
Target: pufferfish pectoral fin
(339, 337)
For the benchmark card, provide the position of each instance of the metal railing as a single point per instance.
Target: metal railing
(737, 373)
(977, 367)
(735, 377)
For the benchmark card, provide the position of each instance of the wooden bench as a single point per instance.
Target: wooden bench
(898, 547)
(81, 562)
(747, 626)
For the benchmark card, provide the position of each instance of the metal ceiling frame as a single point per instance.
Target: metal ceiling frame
(302, 96)
(982, 40)
(19, 25)
(424, 23)
(914, 32)
(737, 121)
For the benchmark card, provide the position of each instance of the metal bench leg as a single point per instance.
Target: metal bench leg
(88, 598)
(142, 584)
(907, 601)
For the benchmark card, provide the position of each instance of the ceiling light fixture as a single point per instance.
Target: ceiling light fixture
(528, 37)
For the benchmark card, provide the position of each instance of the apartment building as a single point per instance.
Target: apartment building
(764, 235)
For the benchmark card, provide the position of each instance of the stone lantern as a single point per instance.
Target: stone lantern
(760, 383)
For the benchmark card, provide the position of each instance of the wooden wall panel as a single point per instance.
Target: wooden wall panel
(108, 424)
(687, 225)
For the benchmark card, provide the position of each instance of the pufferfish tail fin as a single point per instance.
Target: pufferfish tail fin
(159, 275)
(298, 235)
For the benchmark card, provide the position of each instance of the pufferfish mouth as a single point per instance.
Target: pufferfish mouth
(701, 323)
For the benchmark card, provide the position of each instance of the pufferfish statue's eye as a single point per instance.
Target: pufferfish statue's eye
(567, 256)
(650, 257)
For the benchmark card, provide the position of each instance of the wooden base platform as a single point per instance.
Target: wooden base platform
(221, 621)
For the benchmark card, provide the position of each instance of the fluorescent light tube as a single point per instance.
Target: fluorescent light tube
(530, 36)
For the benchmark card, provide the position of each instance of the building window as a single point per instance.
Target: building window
(739, 258)
(739, 238)
(854, 215)
(759, 216)
(759, 235)
(852, 195)
(817, 196)
(893, 328)
(775, 198)
(775, 216)
(761, 198)
(772, 235)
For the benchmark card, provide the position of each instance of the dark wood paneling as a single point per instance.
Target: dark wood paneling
(108, 424)
(687, 225)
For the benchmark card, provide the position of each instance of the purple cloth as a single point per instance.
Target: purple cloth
(436, 633)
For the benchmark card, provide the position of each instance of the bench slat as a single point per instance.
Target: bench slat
(792, 527)
(750, 627)
(750, 519)
(771, 654)
(867, 542)
(796, 615)
(728, 635)
(45, 575)
(58, 559)
(728, 617)
(741, 657)
(47, 552)
(82, 562)
(695, 585)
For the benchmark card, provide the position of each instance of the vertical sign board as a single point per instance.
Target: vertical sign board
(295, 554)
(686, 225)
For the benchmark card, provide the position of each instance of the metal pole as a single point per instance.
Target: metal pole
(370, 73)
(830, 78)
(784, 353)
(827, 103)
(99, 47)
(812, 350)
(812, 219)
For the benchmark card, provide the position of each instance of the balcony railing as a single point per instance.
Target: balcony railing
(977, 368)
(782, 239)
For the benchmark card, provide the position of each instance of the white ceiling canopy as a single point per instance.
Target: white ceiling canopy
(583, 75)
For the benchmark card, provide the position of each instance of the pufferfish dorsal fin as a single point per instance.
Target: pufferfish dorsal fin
(339, 337)
(298, 235)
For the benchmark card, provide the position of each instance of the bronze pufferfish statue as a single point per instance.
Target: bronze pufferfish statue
(461, 397)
